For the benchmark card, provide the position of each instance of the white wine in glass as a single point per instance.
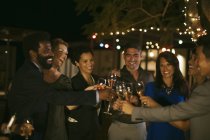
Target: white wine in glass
(140, 90)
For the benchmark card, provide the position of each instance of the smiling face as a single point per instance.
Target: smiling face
(193, 65)
(86, 63)
(45, 55)
(132, 58)
(203, 62)
(60, 55)
(166, 69)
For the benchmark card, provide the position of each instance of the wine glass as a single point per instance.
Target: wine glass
(123, 92)
(120, 90)
(101, 83)
(7, 128)
(128, 90)
(27, 128)
(111, 80)
(140, 89)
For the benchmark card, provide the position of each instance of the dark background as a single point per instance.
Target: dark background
(58, 17)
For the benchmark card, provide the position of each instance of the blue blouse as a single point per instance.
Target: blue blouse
(163, 130)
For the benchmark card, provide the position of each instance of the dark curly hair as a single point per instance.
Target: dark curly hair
(76, 52)
(32, 40)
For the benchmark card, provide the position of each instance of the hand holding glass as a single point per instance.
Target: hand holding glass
(111, 80)
(140, 90)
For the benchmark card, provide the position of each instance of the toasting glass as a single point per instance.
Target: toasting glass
(111, 80)
(128, 90)
(124, 91)
(140, 89)
(28, 128)
(101, 83)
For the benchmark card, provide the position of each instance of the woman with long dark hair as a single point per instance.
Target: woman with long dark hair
(168, 88)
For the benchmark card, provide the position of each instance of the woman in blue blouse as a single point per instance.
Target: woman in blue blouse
(168, 88)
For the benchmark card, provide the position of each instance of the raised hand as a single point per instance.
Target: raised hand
(149, 102)
(94, 87)
(134, 99)
(106, 94)
(127, 107)
(117, 104)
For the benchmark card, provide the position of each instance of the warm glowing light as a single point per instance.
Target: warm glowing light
(118, 47)
(106, 46)
(163, 49)
(151, 54)
(173, 51)
(93, 36)
(180, 42)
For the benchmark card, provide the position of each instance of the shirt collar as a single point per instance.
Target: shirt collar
(40, 69)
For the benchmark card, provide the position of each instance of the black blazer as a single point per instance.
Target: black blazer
(29, 96)
(86, 115)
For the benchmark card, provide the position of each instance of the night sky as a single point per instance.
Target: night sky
(55, 16)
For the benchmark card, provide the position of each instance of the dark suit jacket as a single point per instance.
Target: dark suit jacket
(30, 95)
(197, 109)
(86, 115)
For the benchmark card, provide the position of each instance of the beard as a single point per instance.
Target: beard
(43, 61)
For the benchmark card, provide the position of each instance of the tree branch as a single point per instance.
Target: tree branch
(166, 7)
(144, 20)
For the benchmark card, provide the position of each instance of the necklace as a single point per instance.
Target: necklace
(168, 90)
(91, 81)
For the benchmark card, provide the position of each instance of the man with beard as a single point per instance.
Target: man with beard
(30, 94)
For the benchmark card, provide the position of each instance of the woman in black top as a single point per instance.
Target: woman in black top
(82, 121)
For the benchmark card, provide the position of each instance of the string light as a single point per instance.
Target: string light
(191, 26)
(106, 46)
(152, 45)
